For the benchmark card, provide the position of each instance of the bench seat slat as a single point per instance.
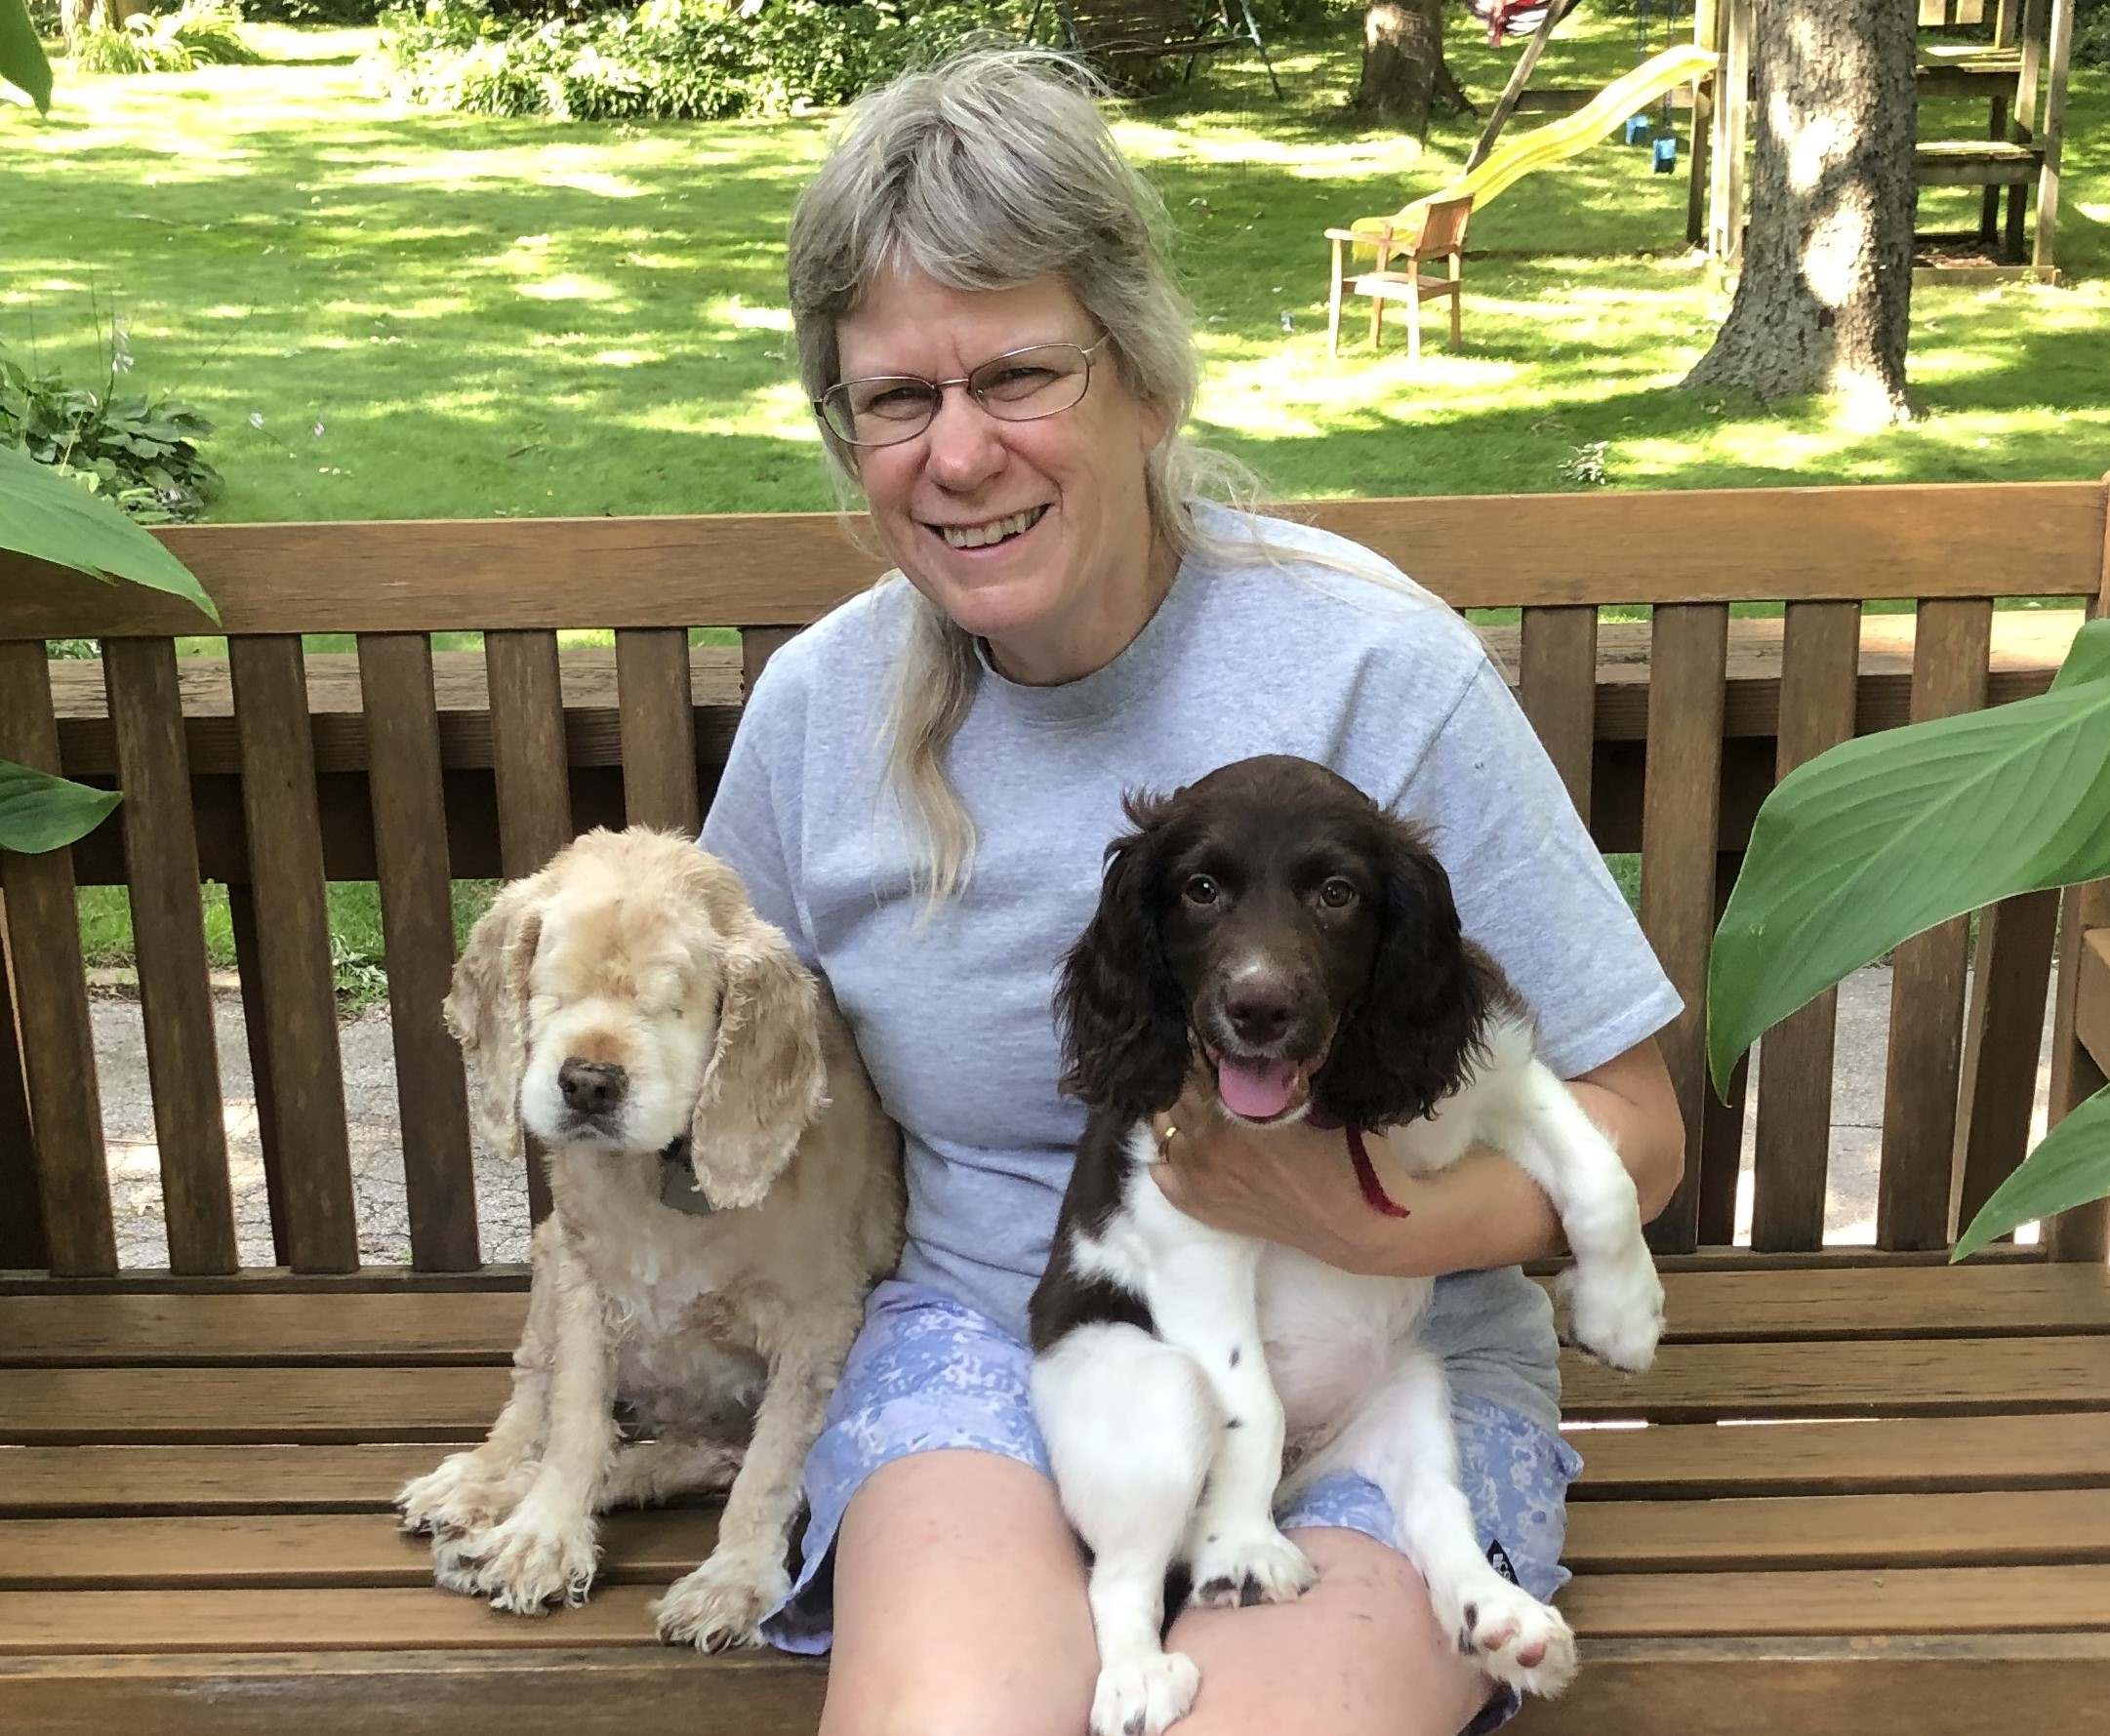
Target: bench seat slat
(2024, 1299)
(1990, 1528)
(1668, 1461)
(1689, 1383)
(1816, 1685)
(1695, 1460)
(1931, 1601)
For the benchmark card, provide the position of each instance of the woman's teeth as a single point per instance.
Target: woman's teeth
(980, 536)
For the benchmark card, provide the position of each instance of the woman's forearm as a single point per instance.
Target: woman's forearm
(1484, 1211)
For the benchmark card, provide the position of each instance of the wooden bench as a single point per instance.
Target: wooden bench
(1114, 33)
(195, 1462)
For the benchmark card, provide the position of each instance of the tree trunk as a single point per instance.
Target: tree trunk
(1825, 297)
(1403, 74)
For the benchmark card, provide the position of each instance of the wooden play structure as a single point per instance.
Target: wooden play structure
(2019, 71)
(2015, 59)
(196, 1457)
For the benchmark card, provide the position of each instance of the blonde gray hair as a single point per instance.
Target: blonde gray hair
(992, 170)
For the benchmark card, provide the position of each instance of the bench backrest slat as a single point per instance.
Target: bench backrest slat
(176, 1000)
(534, 783)
(1820, 654)
(1949, 664)
(1689, 662)
(50, 991)
(2021, 539)
(286, 971)
(1557, 685)
(658, 728)
(2011, 972)
(412, 870)
(21, 1205)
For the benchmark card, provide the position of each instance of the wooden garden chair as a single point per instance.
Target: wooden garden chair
(1442, 235)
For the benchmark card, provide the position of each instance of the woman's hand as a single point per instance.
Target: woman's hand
(1293, 1184)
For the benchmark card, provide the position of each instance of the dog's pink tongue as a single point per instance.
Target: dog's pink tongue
(1258, 1090)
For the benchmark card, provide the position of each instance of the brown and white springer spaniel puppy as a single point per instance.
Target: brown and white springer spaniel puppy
(1272, 930)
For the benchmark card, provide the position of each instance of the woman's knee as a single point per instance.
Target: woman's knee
(959, 1606)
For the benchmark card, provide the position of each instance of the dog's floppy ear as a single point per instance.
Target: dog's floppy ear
(486, 1006)
(1419, 1029)
(1118, 1006)
(765, 1081)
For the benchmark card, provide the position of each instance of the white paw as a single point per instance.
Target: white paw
(463, 1494)
(1615, 1312)
(1261, 1566)
(1516, 1639)
(523, 1564)
(1143, 1695)
(722, 1604)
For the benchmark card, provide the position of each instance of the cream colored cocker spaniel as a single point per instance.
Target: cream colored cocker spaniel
(726, 1189)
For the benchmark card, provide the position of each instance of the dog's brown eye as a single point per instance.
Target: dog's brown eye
(1199, 890)
(1337, 894)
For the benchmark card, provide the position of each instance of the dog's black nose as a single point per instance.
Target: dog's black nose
(1260, 1007)
(590, 1087)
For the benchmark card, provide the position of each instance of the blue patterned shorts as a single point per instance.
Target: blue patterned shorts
(927, 1373)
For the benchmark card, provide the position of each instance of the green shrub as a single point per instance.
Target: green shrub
(668, 60)
(202, 34)
(2091, 33)
(143, 454)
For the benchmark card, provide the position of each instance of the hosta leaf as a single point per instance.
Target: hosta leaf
(46, 515)
(2070, 1168)
(40, 812)
(1887, 835)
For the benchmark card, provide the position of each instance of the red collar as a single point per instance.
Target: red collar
(1373, 1190)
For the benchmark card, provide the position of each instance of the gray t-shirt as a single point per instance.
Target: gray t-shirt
(955, 1018)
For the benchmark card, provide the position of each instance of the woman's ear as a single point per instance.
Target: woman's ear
(1420, 1027)
(1117, 1003)
(765, 1081)
(486, 1005)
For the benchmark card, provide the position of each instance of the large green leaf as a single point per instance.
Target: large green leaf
(22, 56)
(1870, 843)
(51, 518)
(2070, 1168)
(40, 812)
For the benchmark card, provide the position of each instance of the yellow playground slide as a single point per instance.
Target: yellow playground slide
(1560, 138)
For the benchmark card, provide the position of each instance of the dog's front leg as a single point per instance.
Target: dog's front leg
(723, 1603)
(543, 1551)
(472, 1490)
(1614, 1297)
(1235, 1551)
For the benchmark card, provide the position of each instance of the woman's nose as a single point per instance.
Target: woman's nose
(966, 442)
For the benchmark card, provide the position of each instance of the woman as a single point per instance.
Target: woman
(918, 794)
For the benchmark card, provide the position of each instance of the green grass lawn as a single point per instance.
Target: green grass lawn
(399, 315)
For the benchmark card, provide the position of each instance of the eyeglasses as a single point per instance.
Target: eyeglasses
(1018, 386)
